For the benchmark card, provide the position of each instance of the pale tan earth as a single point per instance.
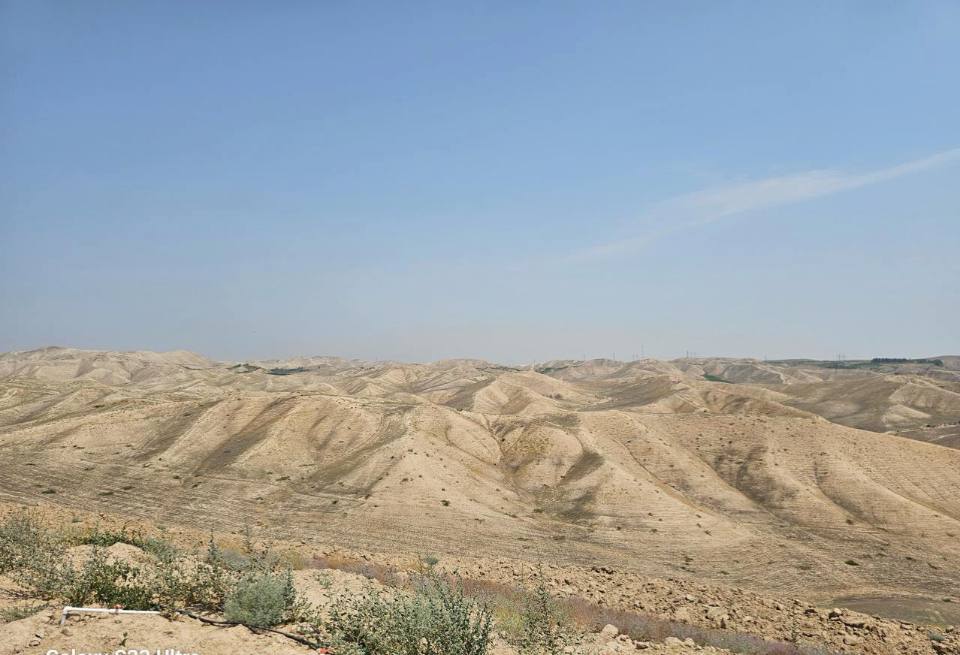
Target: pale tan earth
(99, 633)
(107, 634)
(324, 574)
(790, 479)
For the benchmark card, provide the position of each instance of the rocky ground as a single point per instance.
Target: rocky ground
(730, 608)
(42, 632)
(836, 631)
(616, 611)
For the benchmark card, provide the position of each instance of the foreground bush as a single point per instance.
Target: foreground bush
(261, 599)
(107, 582)
(544, 626)
(246, 587)
(435, 619)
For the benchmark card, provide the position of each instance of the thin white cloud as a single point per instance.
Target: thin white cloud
(708, 205)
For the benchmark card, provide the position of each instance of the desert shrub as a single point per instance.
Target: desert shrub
(22, 539)
(203, 584)
(107, 538)
(248, 586)
(36, 559)
(261, 599)
(32, 555)
(435, 619)
(17, 612)
(186, 583)
(158, 547)
(222, 578)
(544, 625)
(107, 582)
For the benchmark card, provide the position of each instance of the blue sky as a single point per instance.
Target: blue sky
(512, 181)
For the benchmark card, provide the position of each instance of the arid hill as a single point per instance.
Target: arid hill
(785, 477)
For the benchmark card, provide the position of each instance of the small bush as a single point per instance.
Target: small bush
(17, 612)
(107, 538)
(32, 555)
(107, 582)
(261, 600)
(435, 619)
(22, 539)
(247, 587)
(544, 626)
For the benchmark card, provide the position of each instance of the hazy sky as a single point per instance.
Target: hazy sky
(513, 181)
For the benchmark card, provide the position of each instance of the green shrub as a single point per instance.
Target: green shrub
(32, 555)
(544, 626)
(161, 549)
(247, 587)
(435, 619)
(22, 539)
(104, 538)
(107, 538)
(714, 378)
(261, 599)
(107, 582)
(17, 612)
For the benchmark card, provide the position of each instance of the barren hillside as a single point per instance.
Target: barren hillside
(781, 477)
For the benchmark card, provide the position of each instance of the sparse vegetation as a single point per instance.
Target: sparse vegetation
(434, 618)
(715, 378)
(17, 612)
(247, 587)
(509, 605)
(261, 599)
(106, 581)
(544, 626)
(286, 371)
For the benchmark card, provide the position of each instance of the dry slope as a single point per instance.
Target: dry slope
(655, 467)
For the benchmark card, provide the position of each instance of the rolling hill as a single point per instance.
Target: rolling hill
(780, 476)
